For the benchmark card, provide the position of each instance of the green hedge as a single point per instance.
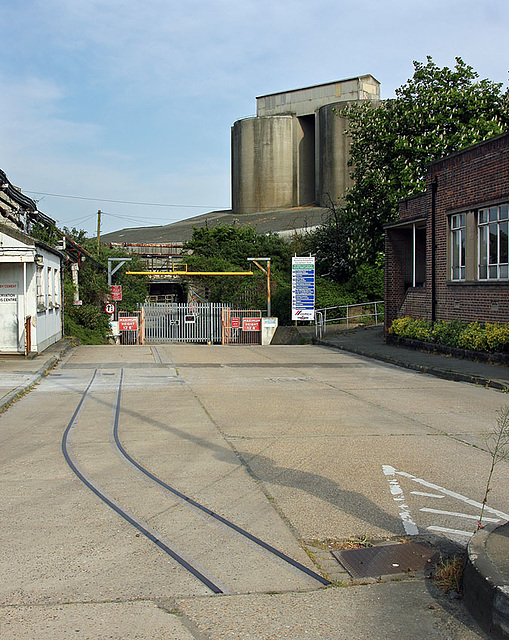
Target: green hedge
(476, 336)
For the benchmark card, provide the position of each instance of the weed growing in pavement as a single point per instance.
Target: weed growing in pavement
(448, 573)
(497, 445)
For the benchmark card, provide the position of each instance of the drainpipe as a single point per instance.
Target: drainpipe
(414, 248)
(434, 187)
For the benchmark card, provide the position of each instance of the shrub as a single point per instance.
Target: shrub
(411, 328)
(476, 336)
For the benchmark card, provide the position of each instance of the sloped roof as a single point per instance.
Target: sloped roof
(281, 221)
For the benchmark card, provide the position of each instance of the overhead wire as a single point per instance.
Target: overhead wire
(145, 204)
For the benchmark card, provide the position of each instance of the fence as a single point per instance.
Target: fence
(204, 323)
(349, 313)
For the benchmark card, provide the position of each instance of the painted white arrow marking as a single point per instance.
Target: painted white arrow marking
(456, 532)
(459, 515)
(452, 494)
(427, 495)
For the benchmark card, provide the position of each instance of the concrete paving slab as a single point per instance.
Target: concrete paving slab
(372, 612)
(93, 621)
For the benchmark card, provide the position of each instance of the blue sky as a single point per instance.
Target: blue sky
(133, 100)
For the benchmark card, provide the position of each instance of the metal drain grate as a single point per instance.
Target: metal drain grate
(384, 560)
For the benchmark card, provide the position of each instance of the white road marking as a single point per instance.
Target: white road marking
(427, 495)
(404, 512)
(452, 494)
(459, 515)
(457, 532)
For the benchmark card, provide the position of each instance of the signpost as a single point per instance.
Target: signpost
(303, 288)
(109, 308)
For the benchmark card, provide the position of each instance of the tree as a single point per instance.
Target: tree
(437, 112)
(227, 248)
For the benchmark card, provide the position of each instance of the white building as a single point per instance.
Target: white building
(30, 293)
(30, 277)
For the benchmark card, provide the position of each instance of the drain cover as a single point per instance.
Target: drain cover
(384, 560)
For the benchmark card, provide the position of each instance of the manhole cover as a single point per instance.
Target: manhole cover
(372, 562)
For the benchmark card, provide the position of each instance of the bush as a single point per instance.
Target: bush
(411, 328)
(88, 323)
(331, 294)
(476, 336)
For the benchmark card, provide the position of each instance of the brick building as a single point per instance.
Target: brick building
(447, 257)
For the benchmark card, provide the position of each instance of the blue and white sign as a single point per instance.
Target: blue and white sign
(303, 288)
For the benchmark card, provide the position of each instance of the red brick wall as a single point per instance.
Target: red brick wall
(466, 180)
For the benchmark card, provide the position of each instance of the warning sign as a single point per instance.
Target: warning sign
(116, 292)
(251, 324)
(128, 324)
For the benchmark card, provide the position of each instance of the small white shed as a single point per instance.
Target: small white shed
(30, 293)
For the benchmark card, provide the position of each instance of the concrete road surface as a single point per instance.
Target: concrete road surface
(120, 454)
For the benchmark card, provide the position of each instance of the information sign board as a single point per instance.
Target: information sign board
(235, 323)
(303, 288)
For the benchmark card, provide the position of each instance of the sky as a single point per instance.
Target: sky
(126, 105)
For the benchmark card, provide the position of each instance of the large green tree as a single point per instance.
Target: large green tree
(435, 113)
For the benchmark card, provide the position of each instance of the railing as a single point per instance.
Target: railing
(349, 313)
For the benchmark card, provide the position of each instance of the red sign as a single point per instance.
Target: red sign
(251, 324)
(235, 323)
(128, 324)
(109, 308)
(116, 292)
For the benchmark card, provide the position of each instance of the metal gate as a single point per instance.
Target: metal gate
(197, 322)
(210, 323)
(241, 326)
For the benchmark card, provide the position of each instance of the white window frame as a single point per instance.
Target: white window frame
(40, 287)
(493, 243)
(458, 246)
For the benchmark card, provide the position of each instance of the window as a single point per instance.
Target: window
(458, 247)
(40, 287)
(56, 288)
(493, 224)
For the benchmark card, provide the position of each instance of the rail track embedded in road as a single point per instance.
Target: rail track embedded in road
(209, 581)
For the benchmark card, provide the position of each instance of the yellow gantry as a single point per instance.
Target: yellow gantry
(183, 271)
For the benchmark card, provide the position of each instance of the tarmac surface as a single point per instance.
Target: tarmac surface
(379, 610)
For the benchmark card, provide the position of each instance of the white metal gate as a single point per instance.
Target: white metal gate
(197, 322)
(210, 323)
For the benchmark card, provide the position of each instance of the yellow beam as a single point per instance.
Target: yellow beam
(181, 272)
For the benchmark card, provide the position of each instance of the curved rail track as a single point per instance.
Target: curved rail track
(209, 581)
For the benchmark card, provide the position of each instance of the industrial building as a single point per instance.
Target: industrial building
(294, 152)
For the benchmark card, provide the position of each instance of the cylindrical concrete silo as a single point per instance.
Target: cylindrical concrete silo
(333, 154)
(263, 167)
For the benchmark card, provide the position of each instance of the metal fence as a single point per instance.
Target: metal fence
(349, 313)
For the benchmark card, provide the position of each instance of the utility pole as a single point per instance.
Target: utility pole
(98, 229)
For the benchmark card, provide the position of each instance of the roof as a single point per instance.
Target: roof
(282, 221)
(316, 86)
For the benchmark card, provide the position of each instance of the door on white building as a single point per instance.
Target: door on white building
(8, 322)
